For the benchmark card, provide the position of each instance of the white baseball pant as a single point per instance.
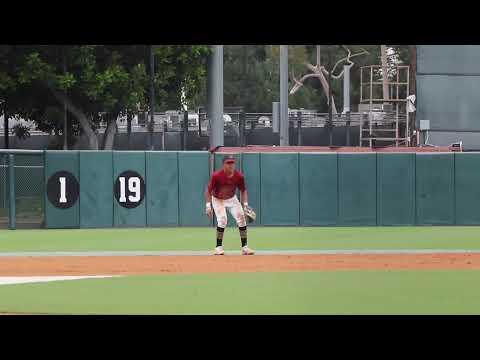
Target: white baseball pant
(233, 205)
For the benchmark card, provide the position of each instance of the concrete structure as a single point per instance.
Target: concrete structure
(284, 138)
(215, 96)
(448, 84)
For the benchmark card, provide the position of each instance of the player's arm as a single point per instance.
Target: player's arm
(208, 195)
(208, 198)
(244, 197)
(243, 192)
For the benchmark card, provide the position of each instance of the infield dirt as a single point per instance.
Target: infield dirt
(139, 265)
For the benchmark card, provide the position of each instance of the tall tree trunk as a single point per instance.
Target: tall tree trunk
(383, 57)
(244, 59)
(326, 89)
(65, 112)
(109, 135)
(324, 82)
(318, 56)
(413, 70)
(129, 128)
(79, 115)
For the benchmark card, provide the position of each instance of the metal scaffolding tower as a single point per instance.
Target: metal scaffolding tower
(386, 119)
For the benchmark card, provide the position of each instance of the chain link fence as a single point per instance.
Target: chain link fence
(4, 199)
(180, 130)
(28, 189)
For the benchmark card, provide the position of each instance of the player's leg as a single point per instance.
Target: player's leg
(221, 215)
(236, 210)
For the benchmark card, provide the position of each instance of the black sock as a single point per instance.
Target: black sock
(220, 236)
(243, 235)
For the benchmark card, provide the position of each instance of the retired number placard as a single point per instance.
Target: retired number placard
(129, 189)
(63, 189)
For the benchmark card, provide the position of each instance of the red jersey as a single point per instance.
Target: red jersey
(223, 187)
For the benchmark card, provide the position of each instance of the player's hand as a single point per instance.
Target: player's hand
(208, 210)
(249, 213)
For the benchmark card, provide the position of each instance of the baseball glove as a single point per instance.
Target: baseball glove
(250, 214)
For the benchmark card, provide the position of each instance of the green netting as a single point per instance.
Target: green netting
(193, 173)
(279, 189)
(162, 188)
(467, 189)
(435, 189)
(96, 204)
(357, 187)
(395, 189)
(318, 189)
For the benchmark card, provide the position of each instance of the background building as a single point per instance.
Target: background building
(448, 94)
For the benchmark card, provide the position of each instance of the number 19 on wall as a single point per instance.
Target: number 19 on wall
(129, 189)
(133, 188)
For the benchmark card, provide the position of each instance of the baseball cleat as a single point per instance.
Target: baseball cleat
(247, 251)
(219, 251)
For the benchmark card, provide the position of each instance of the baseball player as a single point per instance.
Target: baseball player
(220, 194)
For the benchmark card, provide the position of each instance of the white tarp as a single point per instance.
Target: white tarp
(410, 103)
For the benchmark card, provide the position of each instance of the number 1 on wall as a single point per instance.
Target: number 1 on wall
(63, 190)
(122, 198)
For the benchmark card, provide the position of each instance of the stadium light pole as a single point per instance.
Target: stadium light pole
(346, 98)
(284, 137)
(152, 99)
(330, 96)
(215, 96)
(346, 87)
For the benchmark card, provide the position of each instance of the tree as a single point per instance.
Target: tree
(251, 75)
(10, 93)
(396, 55)
(246, 77)
(251, 78)
(319, 71)
(101, 83)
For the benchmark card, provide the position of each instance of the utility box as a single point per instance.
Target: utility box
(424, 125)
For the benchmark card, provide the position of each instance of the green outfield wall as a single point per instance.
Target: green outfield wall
(137, 189)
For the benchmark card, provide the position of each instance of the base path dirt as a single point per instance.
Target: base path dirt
(136, 265)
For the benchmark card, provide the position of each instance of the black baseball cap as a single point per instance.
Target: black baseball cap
(229, 159)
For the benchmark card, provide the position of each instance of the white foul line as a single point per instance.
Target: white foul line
(11, 280)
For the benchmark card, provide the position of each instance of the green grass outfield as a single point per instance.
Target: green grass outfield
(315, 292)
(340, 292)
(261, 238)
